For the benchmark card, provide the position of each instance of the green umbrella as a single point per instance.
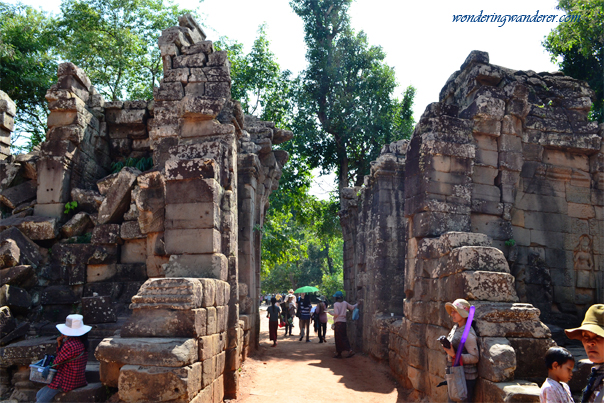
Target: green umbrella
(306, 288)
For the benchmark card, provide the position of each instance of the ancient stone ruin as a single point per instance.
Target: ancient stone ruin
(497, 198)
(161, 257)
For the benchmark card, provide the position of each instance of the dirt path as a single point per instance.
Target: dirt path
(300, 372)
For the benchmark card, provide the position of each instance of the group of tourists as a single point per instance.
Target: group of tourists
(72, 353)
(558, 360)
(282, 313)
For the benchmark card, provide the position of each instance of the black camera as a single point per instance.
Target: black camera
(444, 341)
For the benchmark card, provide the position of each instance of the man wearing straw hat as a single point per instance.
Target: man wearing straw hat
(591, 334)
(72, 355)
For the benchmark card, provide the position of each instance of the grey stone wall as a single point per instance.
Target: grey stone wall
(507, 155)
(374, 229)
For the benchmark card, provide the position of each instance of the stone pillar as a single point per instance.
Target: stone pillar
(75, 153)
(189, 211)
(259, 169)
(7, 123)
(173, 345)
(374, 229)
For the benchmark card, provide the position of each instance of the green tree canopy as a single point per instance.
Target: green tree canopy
(258, 82)
(115, 42)
(580, 44)
(28, 66)
(345, 106)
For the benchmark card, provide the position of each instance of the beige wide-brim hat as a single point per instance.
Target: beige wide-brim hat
(460, 305)
(290, 291)
(593, 322)
(74, 326)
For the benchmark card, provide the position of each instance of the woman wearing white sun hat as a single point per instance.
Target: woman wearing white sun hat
(459, 311)
(70, 362)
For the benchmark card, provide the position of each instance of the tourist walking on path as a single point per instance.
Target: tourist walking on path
(321, 312)
(304, 307)
(591, 334)
(339, 318)
(459, 311)
(560, 363)
(288, 311)
(273, 313)
(70, 362)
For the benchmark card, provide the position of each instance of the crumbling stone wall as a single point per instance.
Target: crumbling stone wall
(259, 173)
(508, 155)
(375, 233)
(7, 123)
(151, 259)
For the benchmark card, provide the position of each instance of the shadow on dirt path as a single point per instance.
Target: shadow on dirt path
(296, 371)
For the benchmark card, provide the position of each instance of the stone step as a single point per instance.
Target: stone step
(92, 372)
(158, 351)
(94, 392)
(516, 391)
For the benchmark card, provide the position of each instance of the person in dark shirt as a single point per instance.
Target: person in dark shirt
(591, 334)
(272, 313)
(305, 307)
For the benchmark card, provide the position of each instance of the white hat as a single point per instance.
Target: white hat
(460, 305)
(74, 326)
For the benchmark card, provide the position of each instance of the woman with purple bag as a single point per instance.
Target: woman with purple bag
(461, 312)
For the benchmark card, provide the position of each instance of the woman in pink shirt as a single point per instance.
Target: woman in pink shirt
(339, 317)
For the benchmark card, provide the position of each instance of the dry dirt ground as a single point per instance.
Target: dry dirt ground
(299, 372)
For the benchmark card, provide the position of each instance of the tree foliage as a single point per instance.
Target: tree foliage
(28, 67)
(258, 82)
(115, 42)
(345, 105)
(580, 44)
(301, 246)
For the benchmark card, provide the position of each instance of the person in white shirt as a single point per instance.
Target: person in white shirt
(560, 363)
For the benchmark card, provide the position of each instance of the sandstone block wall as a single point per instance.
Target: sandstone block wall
(464, 265)
(509, 155)
(150, 256)
(544, 188)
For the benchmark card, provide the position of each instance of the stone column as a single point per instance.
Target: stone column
(75, 153)
(374, 229)
(7, 123)
(259, 168)
(172, 348)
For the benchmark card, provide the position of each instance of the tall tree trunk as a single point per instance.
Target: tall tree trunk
(329, 259)
(343, 177)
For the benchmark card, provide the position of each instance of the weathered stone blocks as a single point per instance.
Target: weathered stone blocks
(117, 201)
(161, 352)
(207, 265)
(166, 323)
(160, 383)
(192, 241)
(497, 359)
